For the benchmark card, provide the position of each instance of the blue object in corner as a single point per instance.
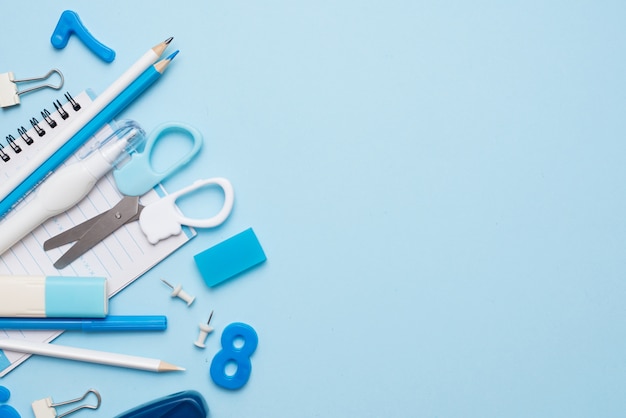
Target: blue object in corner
(230, 258)
(186, 404)
(69, 23)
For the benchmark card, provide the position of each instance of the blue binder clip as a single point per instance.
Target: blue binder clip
(186, 404)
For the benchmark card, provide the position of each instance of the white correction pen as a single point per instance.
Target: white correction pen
(67, 186)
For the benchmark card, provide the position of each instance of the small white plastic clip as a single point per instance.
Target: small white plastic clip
(205, 329)
(10, 96)
(178, 291)
(45, 408)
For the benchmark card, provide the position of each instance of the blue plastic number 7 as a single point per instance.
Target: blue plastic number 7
(70, 23)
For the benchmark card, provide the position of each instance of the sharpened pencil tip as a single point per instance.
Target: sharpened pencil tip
(162, 65)
(167, 367)
(160, 48)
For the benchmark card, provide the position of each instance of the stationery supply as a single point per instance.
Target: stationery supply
(177, 291)
(230, 258)
(108, 323)
(121, 260)
(104, 108)
(53, 297)
(157, 221)
(67, 186)
(9, 94)
(69, 24)
(86, 355)
(233, 353)
(26, 143)
(7, 411)
(46, 408)
(205, 330)
(78, 202)
(186, 404)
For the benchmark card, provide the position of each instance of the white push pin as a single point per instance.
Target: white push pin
(205, 329)
(178, 291)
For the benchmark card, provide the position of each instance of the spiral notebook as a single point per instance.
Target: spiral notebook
(31, 136)
(121, 258)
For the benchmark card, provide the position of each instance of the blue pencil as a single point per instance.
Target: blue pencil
(125, 98)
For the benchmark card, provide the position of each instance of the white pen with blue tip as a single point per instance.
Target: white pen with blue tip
(69, 185)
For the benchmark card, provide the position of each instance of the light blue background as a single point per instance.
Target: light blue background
(437, 186)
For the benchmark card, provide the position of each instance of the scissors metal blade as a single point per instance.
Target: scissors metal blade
(103, 225)
(72, 234)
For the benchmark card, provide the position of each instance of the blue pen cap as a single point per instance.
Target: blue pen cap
(126, 133)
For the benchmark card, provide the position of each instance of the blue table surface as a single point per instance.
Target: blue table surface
(436, 186)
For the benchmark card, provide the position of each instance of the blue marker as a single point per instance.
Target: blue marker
(110, 323)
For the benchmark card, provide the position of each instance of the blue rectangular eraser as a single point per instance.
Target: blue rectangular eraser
(230, 258)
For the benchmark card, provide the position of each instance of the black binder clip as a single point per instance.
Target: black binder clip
(45, 408)
(10, 96)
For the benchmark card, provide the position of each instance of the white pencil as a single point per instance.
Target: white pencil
(83, 117)
(90, 356)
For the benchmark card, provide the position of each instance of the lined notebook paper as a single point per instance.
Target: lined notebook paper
(121, 257)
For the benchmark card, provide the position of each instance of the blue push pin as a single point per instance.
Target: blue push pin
(69, 23)
(7, 411)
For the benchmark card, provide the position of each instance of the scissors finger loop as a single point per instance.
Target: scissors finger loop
(163, 219)
(138, 175)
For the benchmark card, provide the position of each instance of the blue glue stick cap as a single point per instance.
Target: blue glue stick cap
(73, 297)
(230, 258)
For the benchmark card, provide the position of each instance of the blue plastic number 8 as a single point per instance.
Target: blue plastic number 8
(239, 356)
